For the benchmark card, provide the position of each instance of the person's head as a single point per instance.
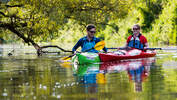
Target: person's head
(91, 30)
(136, 29)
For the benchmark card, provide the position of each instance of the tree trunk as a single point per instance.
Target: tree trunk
(30, 41)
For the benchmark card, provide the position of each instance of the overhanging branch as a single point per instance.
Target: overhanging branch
(3, 14)
(30, 41)
(13, 5)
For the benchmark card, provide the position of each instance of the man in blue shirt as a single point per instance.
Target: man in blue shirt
(88, 41)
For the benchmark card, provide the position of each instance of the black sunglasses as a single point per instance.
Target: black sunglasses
(92, 31)
(135, 28)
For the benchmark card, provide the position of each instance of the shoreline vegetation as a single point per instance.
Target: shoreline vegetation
(62, 22)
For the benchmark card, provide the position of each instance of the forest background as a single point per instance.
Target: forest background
(63, 22)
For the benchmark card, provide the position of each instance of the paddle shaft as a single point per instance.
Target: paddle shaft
(123, 48)
(98, 45)
(161, 49)
(147, 48)
(77, 52)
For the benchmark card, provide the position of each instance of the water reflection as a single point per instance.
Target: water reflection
(1, 50)
(28, 77)
(87, 76)
(93, 74)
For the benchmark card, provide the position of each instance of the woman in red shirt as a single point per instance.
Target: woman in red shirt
(137, 40)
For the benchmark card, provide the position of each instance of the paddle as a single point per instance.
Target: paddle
(161, 48)
(98, 46)
(122, 48)
(147, 48)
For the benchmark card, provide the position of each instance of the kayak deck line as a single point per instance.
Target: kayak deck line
(132, 54)
(90, 58)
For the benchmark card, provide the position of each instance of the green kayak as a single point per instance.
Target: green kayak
(81, 70)
(86, 58)
(89, 74)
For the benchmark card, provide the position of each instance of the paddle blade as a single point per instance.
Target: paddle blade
(100, 45)
(66, 58)
(66, 64)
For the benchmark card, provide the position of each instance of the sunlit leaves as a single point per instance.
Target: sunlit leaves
(43, 20)
(165, 26)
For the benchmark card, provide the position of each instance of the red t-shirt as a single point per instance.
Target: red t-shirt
(143, 39)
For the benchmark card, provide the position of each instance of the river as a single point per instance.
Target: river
(25, 76)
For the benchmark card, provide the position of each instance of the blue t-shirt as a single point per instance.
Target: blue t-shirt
(86, 44)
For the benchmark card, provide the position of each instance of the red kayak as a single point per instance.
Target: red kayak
(124, 55)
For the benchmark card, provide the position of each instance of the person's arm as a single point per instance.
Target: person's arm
(78, 44)
(145, 43)
(128, 40)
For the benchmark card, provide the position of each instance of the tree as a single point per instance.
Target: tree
(35, 20)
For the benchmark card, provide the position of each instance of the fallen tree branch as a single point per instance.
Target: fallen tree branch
(30, 41)
(55, 46)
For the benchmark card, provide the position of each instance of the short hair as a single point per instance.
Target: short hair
(90, 26)
(137, 25)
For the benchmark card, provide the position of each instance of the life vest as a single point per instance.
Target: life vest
(137, 75)
(88, 45)
(135, 42)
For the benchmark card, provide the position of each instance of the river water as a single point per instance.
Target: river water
(25, 76)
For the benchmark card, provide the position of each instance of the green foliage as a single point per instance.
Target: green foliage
(157, 20)
(64, 21)
(43, 19)
(164, 28)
